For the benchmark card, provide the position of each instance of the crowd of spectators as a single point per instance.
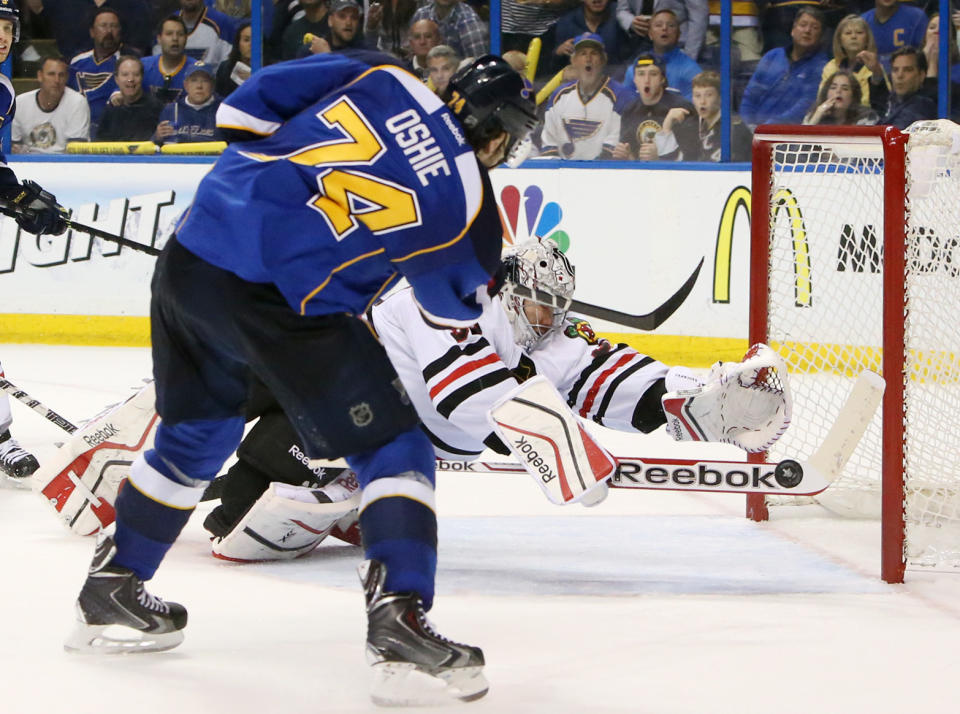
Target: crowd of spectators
(635, 80)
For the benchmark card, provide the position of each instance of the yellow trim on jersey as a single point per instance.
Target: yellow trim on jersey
(153, 498)
(175, 72)
(378, 293)
(321, 286)
(245, 128)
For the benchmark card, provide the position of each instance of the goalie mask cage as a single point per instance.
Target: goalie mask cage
(855, 264)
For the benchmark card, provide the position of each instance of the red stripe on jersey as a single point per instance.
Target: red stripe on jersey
(592, 394)
(460, 371)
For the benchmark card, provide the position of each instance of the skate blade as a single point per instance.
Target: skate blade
(402, 684)
(20, 484)
(119, 639)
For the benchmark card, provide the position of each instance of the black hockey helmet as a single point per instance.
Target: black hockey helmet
(9, 11)
(489, 96)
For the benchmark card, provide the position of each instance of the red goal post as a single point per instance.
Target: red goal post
(854, 263)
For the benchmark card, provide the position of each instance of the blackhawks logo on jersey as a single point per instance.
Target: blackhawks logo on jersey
(581, 328)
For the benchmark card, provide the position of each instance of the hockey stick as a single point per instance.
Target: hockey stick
(650, 321)
(789, 477)
(14, 211)
(37, 406)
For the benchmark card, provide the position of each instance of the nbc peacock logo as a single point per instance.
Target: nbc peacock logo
(526, 216)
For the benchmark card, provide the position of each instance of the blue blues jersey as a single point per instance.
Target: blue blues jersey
(7, 108)
(360, 176)
(94, 80)
(165, 86)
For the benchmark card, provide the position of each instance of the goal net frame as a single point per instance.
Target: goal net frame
(892, 143)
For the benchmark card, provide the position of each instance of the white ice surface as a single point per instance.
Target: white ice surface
(651, 602)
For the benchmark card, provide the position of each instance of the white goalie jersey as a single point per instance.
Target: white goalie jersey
(454, 377)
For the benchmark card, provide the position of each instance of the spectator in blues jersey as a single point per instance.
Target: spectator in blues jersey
(50, 116)
(459, 24)
(442, 63)
(92, 72)
(894, 25)
(664, 34)
(314, 22)
(163, 73)
(855, 51)
(193, 117)
(595, 16)
(69, 21)
(907, 102)
(133, 112)
(581, 121)
(209, 32)
(786, 79)
(424, 36)
(657, 124)
(387, 24)
(236, 70)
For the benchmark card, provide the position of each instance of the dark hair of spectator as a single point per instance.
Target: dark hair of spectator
(665, 10)
(951, 40)
(856, 110)
(100, 11)
(172, 18)
(908, 51)
(235, 55)
(54, 58)
(128, 58)
(814, 12)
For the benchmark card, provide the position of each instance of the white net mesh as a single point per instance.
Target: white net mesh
(825, 318)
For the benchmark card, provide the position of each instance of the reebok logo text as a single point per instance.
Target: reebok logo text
(534, 459)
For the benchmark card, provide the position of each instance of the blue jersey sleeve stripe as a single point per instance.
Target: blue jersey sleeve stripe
(313, 293)
(232, 118)
(426, 98)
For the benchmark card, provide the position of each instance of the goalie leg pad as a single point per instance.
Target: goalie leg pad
(289, 521)
(538, 427)
(81, 481)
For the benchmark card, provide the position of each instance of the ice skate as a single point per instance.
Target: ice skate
(117, 615)
(412, 664)
(16, 463)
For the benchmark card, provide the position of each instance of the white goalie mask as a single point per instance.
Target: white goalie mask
(537, 291)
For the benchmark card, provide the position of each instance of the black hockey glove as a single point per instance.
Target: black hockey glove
(37, 211)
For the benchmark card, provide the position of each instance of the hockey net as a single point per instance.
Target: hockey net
(855, 264)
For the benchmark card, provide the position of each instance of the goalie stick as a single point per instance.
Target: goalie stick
(37, 406)
(793, 477)
(647, 322)
(13, 211)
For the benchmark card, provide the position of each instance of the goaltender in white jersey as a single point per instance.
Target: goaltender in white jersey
(275, 505)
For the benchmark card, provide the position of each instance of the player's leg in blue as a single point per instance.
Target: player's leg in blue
(397, 512)
(115, 612)
(412, 664)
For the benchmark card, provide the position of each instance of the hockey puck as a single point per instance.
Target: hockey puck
(788, 473)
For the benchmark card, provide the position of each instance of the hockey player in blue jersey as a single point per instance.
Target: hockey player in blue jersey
(341, 179)
(36, 211)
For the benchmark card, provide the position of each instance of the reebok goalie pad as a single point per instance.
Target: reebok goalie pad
(538, 427)
(289, 521)
(81, 481)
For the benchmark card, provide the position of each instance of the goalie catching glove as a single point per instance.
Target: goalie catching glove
(35, 210)
(746, 403)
